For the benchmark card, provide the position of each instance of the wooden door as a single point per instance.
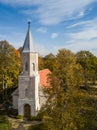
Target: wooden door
(27, 110)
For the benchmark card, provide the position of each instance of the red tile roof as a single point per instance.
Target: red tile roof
(44, 77)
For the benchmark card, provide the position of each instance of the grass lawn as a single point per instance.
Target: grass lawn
(4, 123)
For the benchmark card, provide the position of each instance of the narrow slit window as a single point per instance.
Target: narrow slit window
(33, 66)
(26, 92)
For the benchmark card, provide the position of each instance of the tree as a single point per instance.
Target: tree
(72, 110)
(68, 70)
(68, 107)
(50, 62)
(9, 66)
(89, 63)
(41, 63)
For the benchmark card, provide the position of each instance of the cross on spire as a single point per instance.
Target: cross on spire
(29, 24)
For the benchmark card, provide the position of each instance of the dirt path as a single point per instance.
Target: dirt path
(15, 122)
(18, 124)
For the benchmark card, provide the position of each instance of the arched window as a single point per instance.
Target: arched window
(26, 66)
(33, 66)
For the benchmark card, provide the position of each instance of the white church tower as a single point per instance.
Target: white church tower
(28, 80)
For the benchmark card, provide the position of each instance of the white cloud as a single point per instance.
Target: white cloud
(84, 35)
(85, 39)
(87, 32)
(42, 30)
(87, 23)
(82, 45)
(21, 2)
(42, 49)
(81, 13)
(79, 24)
(53, 11)
(54, 35)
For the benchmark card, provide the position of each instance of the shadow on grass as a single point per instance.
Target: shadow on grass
(36, 127)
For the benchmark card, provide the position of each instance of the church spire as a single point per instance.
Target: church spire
(28, 43)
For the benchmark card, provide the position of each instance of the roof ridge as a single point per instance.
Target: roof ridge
(44, 69)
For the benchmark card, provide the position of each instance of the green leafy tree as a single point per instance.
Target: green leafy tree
(74, 108)
(68, 70)
(40, 62)
(9, 66)
(62, 110)
(89, 63)
(50, 62)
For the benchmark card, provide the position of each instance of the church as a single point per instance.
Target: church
(29, 97)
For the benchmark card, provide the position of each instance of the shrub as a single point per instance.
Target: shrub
(4, 123)
(19, 117)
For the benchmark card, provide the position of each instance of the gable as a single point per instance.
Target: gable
(44, 77)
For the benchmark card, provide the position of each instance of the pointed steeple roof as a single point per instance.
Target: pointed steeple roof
(28, 43)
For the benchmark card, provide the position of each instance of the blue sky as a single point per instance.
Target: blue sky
(55, 24)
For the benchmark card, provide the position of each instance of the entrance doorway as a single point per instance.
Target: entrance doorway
(27, 110)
